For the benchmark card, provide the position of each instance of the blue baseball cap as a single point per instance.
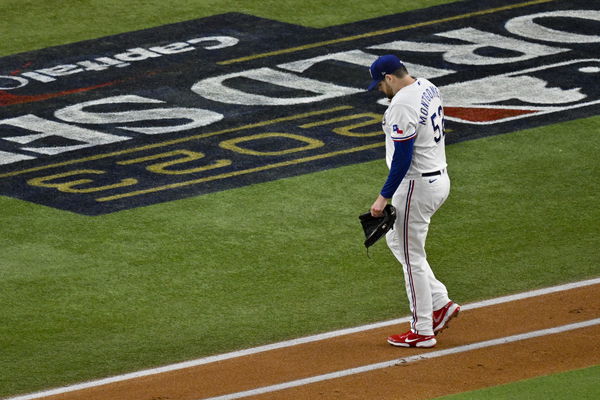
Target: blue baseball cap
(381, 67)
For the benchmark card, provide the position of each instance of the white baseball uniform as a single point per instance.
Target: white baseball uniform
(416, 113)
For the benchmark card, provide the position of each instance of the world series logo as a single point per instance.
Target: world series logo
(135, 119)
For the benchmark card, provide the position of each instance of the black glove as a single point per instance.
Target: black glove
(376, 227)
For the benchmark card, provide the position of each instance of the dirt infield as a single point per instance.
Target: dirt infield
(453, 365)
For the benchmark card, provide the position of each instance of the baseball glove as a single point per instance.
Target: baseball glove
(376, 227)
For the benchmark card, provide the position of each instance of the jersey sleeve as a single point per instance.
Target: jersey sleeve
(403, 151)
(402, 122)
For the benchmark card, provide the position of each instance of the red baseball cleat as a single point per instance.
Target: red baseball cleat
(411, 339)
(442, 316)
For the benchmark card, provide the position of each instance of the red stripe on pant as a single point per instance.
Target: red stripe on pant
(411, 187)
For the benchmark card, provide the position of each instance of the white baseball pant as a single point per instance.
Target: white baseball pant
(416, 200)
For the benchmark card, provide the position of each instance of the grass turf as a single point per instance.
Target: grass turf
(87, 297)
(580, 384)
(31, 24)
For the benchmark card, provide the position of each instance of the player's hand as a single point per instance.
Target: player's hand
(378, 206)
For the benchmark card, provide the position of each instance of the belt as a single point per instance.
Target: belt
(434, 173)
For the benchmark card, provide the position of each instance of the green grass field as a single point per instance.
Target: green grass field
(30, 24)
(580, 384)
(85, 297)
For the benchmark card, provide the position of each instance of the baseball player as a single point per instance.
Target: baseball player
(417, 185)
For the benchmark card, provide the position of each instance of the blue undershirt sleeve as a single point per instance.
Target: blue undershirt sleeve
(400, 163)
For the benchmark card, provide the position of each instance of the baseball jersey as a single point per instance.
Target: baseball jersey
(416, 112)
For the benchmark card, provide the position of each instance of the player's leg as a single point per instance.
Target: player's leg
(444, 308)
(407, 242)
(436, 192)
(439, 293)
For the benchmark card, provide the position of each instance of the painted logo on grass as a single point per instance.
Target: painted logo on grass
(231, 100)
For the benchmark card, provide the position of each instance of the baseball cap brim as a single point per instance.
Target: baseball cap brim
(383, 66)
(374, 84)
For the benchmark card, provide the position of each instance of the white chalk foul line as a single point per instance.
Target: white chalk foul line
(424, 356)
(294, 342)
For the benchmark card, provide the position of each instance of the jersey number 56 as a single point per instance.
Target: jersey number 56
(438, 122)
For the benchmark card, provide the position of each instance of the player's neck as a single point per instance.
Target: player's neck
(403, 82)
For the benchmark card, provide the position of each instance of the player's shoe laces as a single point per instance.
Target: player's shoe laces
(411, 339)
(442, 316)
